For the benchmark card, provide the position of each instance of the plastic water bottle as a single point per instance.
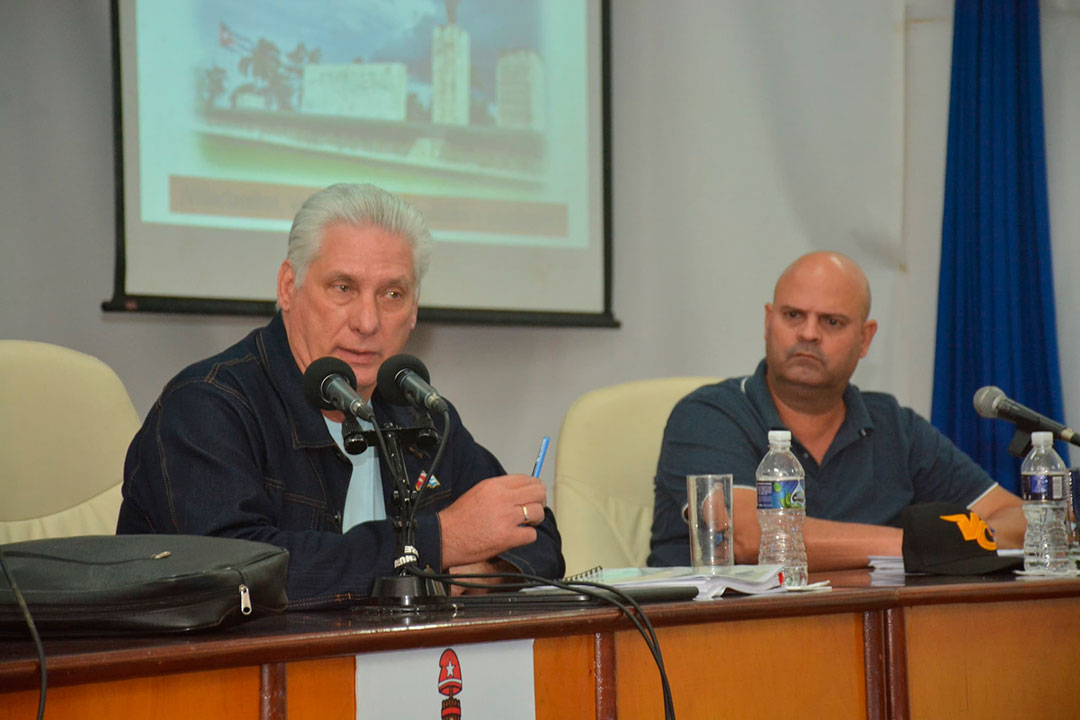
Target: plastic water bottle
(781, 502)
(1042, 488)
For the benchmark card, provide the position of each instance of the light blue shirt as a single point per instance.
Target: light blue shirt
(364, 500)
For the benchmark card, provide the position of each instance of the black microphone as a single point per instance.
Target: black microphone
(403, 380)
(330, 384)
(991, 402)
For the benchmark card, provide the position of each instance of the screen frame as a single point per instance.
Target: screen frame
(122, 301)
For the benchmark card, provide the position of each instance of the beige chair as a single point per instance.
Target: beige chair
(65, 424)
(605, 461)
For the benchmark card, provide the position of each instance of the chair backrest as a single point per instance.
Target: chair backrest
(605, 462)
(65, 424)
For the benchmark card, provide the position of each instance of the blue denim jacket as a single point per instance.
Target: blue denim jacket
(232, 448)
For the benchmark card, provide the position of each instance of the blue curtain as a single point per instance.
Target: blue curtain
(995, 322)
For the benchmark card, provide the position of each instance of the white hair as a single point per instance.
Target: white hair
(358, 206)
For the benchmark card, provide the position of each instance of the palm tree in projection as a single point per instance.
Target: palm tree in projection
(264, 66)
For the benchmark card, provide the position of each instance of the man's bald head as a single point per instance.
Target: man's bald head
(817, 328)
(828, 269)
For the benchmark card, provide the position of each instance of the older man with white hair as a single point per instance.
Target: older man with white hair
(233, 448)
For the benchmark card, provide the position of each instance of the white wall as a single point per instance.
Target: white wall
(693, 266)
(1061, 101)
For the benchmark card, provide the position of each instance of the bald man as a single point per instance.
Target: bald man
(866, 457)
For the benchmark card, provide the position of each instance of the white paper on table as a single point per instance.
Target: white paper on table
(749, 579)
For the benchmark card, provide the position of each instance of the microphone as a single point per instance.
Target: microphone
(330, 384)
(991, 402)
(403, 380)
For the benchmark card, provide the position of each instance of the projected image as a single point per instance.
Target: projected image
(427, 93)
(485, 114)
(444, 101)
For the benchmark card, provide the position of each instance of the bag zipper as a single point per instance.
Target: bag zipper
(245, 600)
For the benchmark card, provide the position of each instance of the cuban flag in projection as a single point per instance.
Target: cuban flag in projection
(996, 322)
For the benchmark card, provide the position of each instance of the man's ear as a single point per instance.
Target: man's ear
(286, 284)
(768, 315)
(869, 329)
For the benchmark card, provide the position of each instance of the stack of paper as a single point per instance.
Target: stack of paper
(747, 579)
(886, 570)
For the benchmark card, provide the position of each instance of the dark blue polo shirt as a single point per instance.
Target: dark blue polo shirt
(884, 457)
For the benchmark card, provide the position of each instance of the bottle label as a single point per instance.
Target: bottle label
(787, 494)
(1040, 487)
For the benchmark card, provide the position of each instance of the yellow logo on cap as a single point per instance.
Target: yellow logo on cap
(973, 528)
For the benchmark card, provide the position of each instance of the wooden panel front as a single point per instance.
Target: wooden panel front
(564, 677)
(770, 669)
(322, 689)
(986, 660)
(232, 693)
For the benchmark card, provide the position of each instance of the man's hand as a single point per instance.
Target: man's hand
(495, 565)
(1004, 513)
(493, 516)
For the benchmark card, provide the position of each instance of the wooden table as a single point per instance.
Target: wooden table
(931, 648)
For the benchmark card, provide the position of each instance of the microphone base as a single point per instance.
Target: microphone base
(407, 593)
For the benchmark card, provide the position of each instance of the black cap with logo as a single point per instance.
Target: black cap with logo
(946, 538)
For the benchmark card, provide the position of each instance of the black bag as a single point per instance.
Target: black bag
(128, 584)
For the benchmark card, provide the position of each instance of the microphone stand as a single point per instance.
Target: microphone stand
(405, 590)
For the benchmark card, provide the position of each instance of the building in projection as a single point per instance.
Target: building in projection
(519, 91)
(450, 75)
(364, 90)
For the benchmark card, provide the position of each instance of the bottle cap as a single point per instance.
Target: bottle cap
(1041, 438)
(780, 436)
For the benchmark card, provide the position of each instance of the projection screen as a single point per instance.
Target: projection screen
(490, 116)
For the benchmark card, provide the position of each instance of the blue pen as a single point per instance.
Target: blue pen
(539, 465)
